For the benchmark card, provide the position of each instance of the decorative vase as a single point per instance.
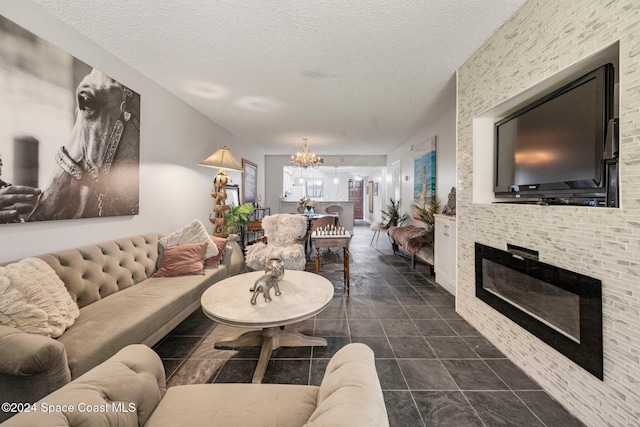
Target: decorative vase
(309, 210)
(237, 259)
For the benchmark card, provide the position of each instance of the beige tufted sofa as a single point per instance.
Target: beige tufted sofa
(120, 304)
(129, 390)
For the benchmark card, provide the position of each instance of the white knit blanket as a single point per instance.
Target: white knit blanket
(34, 299)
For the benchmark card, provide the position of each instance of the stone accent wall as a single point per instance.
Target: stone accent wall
(544, 37)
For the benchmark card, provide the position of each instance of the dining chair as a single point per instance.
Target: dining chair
(335, 210)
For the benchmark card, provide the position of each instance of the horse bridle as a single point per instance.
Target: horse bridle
(91, 176)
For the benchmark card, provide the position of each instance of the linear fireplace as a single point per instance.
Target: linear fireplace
(560, 307)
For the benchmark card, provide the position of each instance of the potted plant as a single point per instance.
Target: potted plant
(426, 213)
(237, 217)
(391, 217)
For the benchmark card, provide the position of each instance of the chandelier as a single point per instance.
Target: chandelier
(305, 158)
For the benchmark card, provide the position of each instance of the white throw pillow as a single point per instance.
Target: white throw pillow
(55, 287)
(17, 312)
(41, 286)
(191, 233)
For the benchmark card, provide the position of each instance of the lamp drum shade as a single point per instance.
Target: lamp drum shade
(222, 159)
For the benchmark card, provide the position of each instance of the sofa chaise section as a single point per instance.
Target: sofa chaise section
(140, 314)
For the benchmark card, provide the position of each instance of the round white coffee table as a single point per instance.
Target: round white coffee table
(303, 296)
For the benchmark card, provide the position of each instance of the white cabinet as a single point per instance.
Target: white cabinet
(445, 252)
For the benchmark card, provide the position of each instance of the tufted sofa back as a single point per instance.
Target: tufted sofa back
(93, 272)
(123, 391)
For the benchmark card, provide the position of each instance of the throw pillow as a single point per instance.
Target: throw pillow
(191, 233)
(17, 312)
(42, 287)
(221, 243)
(181, 260)
(53, 285)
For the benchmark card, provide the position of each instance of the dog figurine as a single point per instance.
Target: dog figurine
(273, 273)
(263, 285)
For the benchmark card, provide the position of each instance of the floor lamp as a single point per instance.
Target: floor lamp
(223, 160)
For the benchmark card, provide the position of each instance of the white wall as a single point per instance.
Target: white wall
(542, 40)
(443, 127)
(380, 200)
(173, 190)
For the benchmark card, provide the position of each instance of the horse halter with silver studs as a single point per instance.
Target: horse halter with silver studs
(94, 172)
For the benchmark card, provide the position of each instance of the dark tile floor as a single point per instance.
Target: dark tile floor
(435, 369)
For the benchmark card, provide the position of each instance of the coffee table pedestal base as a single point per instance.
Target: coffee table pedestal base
(270, 339)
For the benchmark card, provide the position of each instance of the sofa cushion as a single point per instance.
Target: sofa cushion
(235, 405)
(191, 233)
(95, 271)
(181, 260)
(131, 316)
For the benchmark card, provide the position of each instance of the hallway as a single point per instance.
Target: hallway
(435, 369)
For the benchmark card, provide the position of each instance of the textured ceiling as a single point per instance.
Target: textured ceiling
(354, 76)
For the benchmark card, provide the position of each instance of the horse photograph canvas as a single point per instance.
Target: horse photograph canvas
(424, 170)
(69, 134)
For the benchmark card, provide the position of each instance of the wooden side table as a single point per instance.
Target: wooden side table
(333, 241)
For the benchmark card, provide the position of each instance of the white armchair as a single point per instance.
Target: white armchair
(283, 233)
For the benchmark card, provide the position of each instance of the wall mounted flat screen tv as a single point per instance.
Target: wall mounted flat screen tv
(553, 148)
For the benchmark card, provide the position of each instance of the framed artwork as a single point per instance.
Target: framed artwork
(375, 188)
(424, 172)
(249, 182)
(370, 193)
(233, 195)
(96, 171)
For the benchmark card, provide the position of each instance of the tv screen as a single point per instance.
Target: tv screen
(554, 147)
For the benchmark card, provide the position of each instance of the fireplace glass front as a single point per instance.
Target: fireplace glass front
(560, 307)
(557, 308)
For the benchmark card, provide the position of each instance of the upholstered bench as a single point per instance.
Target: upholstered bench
(417, 241)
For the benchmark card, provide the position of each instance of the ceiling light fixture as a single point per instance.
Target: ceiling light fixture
(305, 158)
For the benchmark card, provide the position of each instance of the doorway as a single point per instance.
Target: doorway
(355, 196)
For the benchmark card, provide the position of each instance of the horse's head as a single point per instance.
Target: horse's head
(100, 102)
(98, 172)
(98, 95)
